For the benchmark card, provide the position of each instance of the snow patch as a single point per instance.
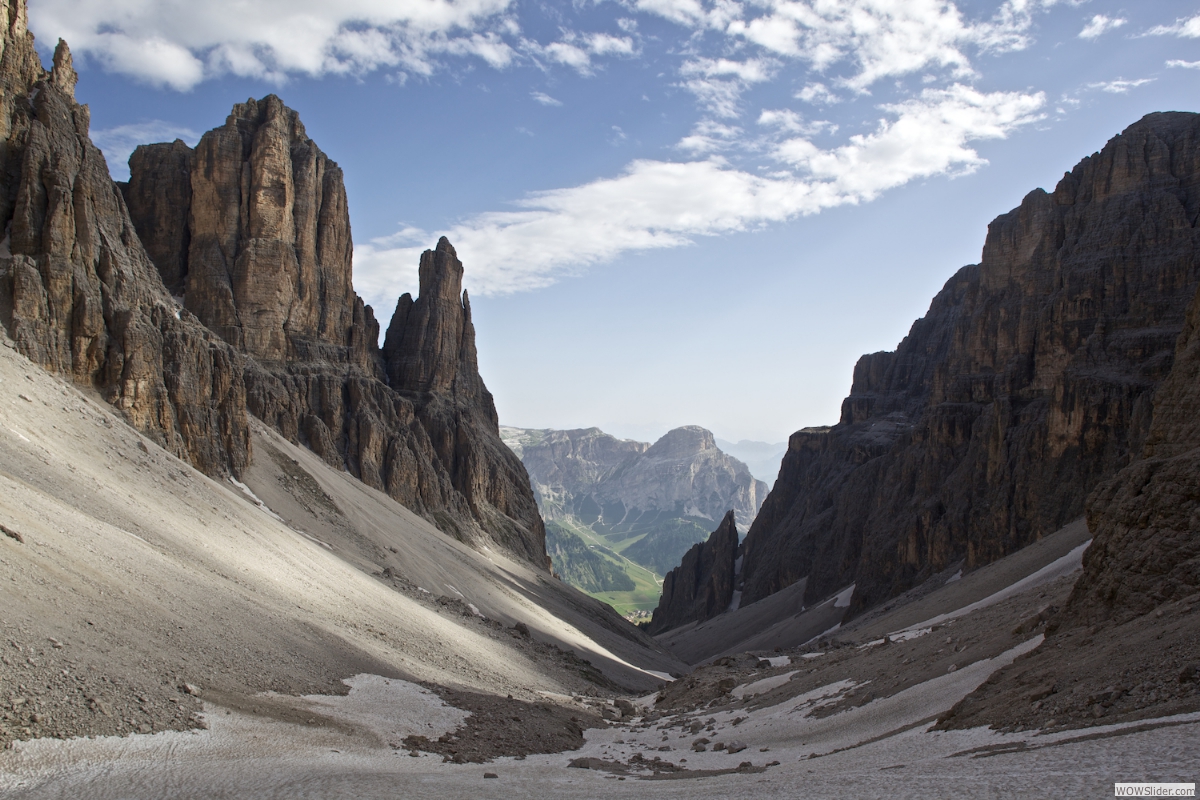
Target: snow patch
(254, 498)
(843, 598)
(780, 661)
(764, 685)
(662, 676)
(736, 601)
(1069, 563)
(954, 577)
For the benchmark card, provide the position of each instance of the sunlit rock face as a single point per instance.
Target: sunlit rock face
(252, 229)
(78, 294)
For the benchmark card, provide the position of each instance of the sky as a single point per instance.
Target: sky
(670, 212)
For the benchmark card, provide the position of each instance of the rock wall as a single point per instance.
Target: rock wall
(702, 585)
(253, 229)
(1145, 521)
(78, 294)
(1029, 382)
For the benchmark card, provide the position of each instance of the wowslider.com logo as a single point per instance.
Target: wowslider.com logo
(1155, 789)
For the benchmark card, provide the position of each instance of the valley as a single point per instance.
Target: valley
(254, 543)
(618, 508)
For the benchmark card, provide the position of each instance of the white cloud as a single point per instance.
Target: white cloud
(929, 136)
(818, 94)
(118, 143)
(545, 99)
(178, 44)
(1186, 28)
(1119, 86)
(656, 204)
(1100, 25)
(576, 50)
(718, 83)
(1185, 64)
(790, 122)
(879, 38)
(708, 137)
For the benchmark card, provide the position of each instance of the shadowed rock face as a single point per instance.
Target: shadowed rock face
(1029, 382)
(253, 226)
(77, 292)
(1146, 519)
(702, 585)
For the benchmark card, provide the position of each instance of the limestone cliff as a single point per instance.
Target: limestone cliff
(702, 585)
(77, 292)
(253, 229)
(1029, 382)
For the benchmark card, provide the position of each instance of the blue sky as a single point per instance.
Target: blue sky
(670, 211)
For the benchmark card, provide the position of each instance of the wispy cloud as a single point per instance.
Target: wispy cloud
(1119, 86)
(577, 50)
(790, 122)
(1188, 28)
(1100, 25)
(118, 143)
(707, 137)
(718, 83)
(545, 99)
(1185, 64)
(880, 39)
(657, 204)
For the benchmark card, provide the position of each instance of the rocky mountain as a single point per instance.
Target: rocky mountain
(78, 294)
(1030, 382)
(251, 230)
(648, 503)
(1127, 642)
(702, 585)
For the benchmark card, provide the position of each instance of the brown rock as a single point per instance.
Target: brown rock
(78, 294)
(1028, 384)
(158, 205)
(702, 585)
(254, 226)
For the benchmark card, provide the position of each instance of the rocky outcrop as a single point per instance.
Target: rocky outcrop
(1146, 520)
(1029, 382)
(252, 228)
(78, 293)
(702, 585)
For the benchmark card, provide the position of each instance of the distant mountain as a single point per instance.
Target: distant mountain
(640, 505)
(763, 458)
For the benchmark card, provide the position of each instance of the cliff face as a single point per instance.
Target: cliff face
(1146, 520)
(252, 227)
(702, 585)
(77, 292)
(1029, 382)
